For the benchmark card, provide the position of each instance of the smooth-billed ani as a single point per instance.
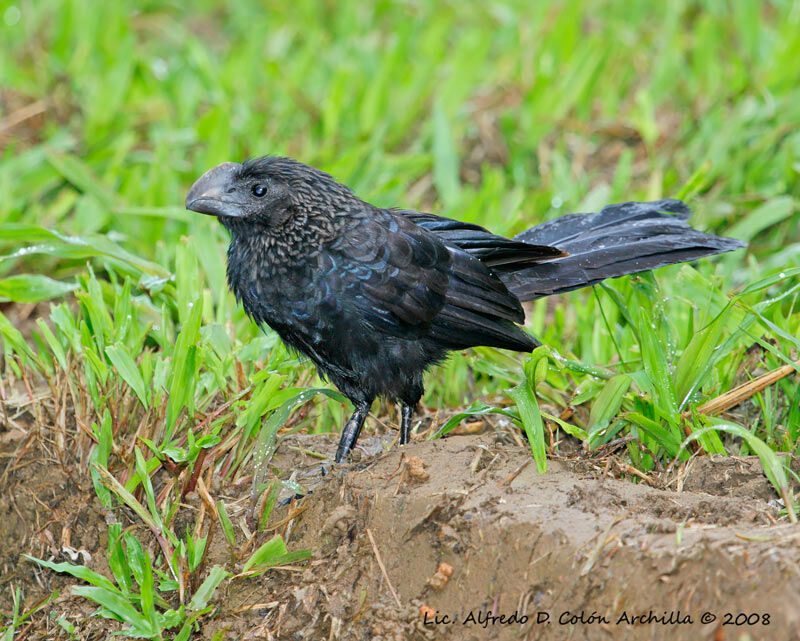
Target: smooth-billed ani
(376, 296)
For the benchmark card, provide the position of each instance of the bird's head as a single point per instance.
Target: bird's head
(266, 192)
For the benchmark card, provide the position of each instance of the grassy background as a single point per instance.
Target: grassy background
(497, 113)
(505, 114)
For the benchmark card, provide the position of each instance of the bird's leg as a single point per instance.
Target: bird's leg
(351, 431)
(408, 402)
(407, 415)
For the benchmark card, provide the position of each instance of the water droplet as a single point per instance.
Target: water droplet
(12, 15)
(159, 68)
(557, 202)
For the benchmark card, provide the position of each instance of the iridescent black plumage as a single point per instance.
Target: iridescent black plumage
(376, 296)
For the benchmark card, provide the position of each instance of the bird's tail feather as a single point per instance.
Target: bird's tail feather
(621, 239)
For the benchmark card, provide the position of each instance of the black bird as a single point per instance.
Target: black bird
(376, 296)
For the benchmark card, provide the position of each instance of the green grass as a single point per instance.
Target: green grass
(505, 114)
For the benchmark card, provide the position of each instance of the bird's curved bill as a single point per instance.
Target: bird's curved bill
(209, 194)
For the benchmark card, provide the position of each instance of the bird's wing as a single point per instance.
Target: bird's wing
(405, 281)
(393, 273)
(489, 248)
(479, 309)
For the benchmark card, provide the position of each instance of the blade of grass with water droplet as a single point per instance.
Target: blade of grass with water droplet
(32, 288)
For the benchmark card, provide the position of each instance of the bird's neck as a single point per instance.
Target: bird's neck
(300, 236)
(262, 260)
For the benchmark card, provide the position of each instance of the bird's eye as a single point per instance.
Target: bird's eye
(259, 190)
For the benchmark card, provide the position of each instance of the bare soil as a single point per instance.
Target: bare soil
(569, 554)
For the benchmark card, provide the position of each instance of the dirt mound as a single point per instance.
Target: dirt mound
(585, 556)
(464, 533)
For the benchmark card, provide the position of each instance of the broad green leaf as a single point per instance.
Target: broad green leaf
(265, 554)
(662, 436)
(127, 368)
(607, 403)
(107, 479)
(206, 590)
(225, 522)
(117, 559)
(118, 605)
(89, 246)
(770, 213)
(693, 363)
(655, 363)
(54, 343)
(274, 489)
(281, 559)
(78, 571)
(259, 403)
(477, 408)
(32, 288)
(99, 456)
(265, 442)
(144, 478)
(525, 398)
(139, 562)
(184, 367)
(81, 176)
(14, 342)
(572, 430)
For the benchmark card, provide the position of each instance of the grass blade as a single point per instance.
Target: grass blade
(531, 418)
(32, 288)
(774, 467)
(127, 368)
